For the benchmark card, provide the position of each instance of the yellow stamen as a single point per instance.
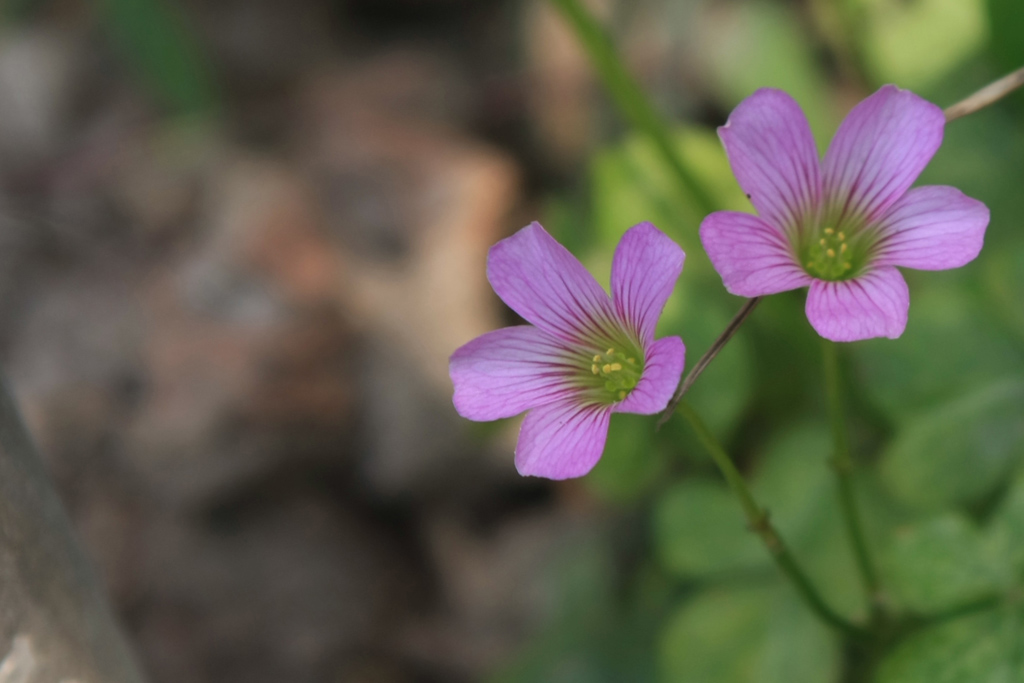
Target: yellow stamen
(622, 395)
(597, 358)
(594, 369)
(842, 236)
(631, 361)
(822, 241)
(606, 369)
(831, 253)
(611, 351)
(829, 231)
(842, 249)
(615, 367)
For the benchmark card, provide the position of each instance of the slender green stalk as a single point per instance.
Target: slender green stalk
(630, 98)
(709, 355)
(842, 464)
(760, 524)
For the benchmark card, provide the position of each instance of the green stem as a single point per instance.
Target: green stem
(842, 464)
(630, 98)
(760, 524)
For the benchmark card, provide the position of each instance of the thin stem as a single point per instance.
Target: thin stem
(760, 524)
(842, 464)
(630, 98)
(990, 93)
(709, 356)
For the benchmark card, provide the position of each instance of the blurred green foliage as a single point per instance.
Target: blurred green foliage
(937, 417)
(154, 41)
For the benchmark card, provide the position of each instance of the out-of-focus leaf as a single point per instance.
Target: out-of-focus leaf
(631, 183)
(941, 564)
(699, 530)
(632, 459)
(760, 45)
(915, 43)
(155, 41)
(748, 635)
(726, 388)
(1004, 280)
(1006, 26)
(598, 634)
(959, 451)
(985, 648)
(949, 347)
(1006, 530)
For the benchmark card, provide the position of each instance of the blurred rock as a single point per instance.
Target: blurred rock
(37, 72)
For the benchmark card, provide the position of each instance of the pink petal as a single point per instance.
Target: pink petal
(932, 228)
(879, 150)
(872, 305)
(644, 271)
(562, 440)
(663, 365)
(753, 258)
(507, 371)
(541, 281)
(774, 158)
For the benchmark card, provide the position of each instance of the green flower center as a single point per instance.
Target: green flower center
(829, 255)
(615, 373)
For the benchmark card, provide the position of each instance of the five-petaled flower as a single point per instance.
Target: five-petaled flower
(842, 226)
(584, 356)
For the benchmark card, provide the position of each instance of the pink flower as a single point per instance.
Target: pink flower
(842, 226)
(585, 355)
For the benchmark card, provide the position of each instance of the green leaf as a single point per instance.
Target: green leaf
(747, 635)
(630, 183)
(1006, 26)
(156, 42)
(699, 530)
(1006, 530)
(959, 451)
(760, 45)
(984, 648)
(915, 43)
(632, 460)
(940, 564)
(948, 348)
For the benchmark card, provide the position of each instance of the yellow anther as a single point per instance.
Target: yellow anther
(594, 369)
(615, 367)
(622, 395)
(610, 351)
(597, 358)
(842, 236)
(829, 231)
(848, 266)
(631, 360)
(831, 253)
(842, 249)
(822, 241)
(606, 369)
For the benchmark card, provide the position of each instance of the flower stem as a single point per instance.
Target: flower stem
(990, 93)
(842, 464)
(760, 524)
(630, 98)
(708, 356)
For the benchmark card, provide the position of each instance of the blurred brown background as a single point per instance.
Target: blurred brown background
(232, 270)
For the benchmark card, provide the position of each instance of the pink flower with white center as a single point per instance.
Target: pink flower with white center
(584, 356)
(841, 226)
